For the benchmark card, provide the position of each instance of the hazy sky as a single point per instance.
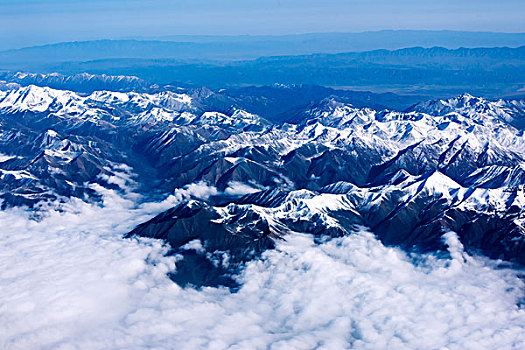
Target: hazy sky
(31, 22)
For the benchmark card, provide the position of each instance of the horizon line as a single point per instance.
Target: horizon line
(165, 38)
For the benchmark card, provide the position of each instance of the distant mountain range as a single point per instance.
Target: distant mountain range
(491, 72)
(250, 47)
(434, 63)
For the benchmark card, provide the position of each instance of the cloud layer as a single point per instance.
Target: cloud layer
(70, 282)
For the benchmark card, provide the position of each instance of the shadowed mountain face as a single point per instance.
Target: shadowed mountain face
(319, 166)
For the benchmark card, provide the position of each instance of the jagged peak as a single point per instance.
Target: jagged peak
(41, 90)
(400, 176)
(38, 99)
(437, 177)
(464, 104)
(433, 183)
(49, 138)
(340, 187)
(330, 104)
(51, 133)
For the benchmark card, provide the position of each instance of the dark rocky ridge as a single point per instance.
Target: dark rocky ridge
(229, 241)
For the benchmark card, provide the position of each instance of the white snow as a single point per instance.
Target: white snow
(155, 107)
(5, 157)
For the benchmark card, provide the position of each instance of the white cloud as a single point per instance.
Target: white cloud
(203, 190)
(200, 190)
(122, 177)
(70, 282)
(236, 188)
(196, 245)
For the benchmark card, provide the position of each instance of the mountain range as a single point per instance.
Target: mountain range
(320, 166)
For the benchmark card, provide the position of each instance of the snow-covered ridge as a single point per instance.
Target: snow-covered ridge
(44, 99)
(83, 82)
(475, 108)
(67, 104)
(461, 127)
(132, 107)
(83, 76)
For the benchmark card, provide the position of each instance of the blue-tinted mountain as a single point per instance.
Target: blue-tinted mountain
(438, 72)
(249, 47)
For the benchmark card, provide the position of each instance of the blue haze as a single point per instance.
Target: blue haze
(36, 22)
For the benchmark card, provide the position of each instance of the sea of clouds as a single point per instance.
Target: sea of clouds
(69, 281)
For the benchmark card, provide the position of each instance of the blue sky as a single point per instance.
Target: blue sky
(32, 22)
